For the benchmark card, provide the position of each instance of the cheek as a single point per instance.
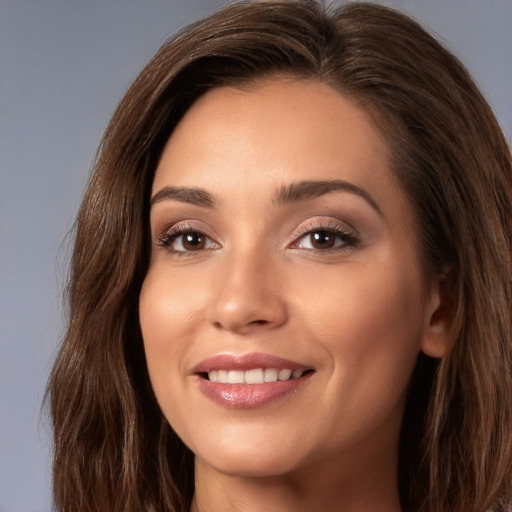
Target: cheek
(164, 313)
(169, 307)
(369, 324)
(364, 303)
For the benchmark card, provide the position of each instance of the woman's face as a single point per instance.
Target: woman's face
(284, 306)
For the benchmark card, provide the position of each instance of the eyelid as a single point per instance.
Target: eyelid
(324, 223)
(337, 227)
(170, 232)
(185, 225)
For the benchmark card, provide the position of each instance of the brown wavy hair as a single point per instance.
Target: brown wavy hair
(114, 450)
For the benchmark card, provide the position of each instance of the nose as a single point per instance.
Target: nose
(246, 295)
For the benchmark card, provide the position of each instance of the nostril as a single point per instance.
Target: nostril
(258, 322)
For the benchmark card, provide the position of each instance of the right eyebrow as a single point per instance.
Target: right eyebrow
(191, 195)
(304, 190)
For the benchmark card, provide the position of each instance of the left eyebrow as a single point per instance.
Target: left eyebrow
(304, 190)
(190, 195)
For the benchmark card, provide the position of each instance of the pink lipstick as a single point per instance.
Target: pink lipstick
(251, 380)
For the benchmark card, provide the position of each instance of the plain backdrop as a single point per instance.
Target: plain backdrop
(64, 65)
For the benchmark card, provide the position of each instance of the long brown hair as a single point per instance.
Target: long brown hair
(114, 450)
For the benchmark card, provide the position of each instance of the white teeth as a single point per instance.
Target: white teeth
(254, 376)
(285, 374)
(236, 377)
(271, 375)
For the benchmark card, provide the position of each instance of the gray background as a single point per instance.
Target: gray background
(64, 65)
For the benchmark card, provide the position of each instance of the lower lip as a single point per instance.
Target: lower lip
(247, 396)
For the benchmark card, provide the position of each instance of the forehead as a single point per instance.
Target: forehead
(274, 133)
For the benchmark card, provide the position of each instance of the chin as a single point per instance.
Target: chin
(249, 459)
(242, 465)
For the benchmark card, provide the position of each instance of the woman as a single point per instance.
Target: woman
(291, 282)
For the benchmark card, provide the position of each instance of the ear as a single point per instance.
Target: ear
(438, 332)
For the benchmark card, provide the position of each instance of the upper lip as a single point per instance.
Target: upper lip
(246, 362)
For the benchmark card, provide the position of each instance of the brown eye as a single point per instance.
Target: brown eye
(322, 239)
(325, 239)
(193, 241)
(187, 241)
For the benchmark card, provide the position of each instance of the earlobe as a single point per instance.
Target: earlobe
(438, 334)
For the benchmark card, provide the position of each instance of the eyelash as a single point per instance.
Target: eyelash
(170, 235)
(347, 238)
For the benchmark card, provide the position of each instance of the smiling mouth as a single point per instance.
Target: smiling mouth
(253, 388)
(249, 380)
(253, 376)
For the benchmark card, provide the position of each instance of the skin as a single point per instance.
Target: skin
(357, 313)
